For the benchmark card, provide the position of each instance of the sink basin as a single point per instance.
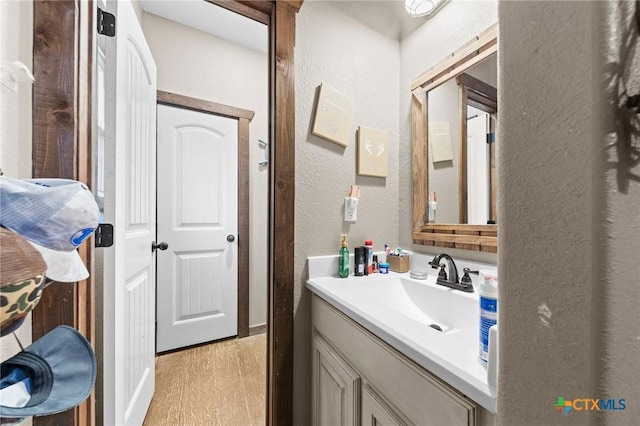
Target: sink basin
(425, 302)
(421, 301)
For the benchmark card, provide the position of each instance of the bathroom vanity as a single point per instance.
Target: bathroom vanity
(397, 351)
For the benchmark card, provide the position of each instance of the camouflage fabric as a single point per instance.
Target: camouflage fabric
(19, 299)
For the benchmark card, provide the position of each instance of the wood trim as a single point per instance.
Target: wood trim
(84, 303)
(479, 94)
(462, 228)
(257, 329)
(419, 155)
(462, 155)
(244, 206)
(461, 239)
(244, 117)
(481, 56)
(493, 176)
(480, 102)
(293, 4)
(467, 237)
(54, 96)
(282, 184)
(478, 86)
(257, 10)
(62, 64)
(201, 105)
(476, 50)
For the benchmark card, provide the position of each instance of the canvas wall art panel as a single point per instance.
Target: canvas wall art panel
(334, 115)
(373, 152)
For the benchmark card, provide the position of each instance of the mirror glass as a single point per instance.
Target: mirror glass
(461, 126)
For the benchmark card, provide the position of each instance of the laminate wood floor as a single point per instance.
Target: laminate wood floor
(218, 384)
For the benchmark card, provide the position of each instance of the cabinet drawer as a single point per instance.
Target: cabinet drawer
(421, 397)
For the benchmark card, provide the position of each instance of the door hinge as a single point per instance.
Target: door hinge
(491, 138)
(104, 235)
(106, 23)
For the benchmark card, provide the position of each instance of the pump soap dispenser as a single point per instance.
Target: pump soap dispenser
(343, 260)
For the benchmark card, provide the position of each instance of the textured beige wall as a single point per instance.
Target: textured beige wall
(545, 169)
(616, 324)
(16, 44)
(456, 24)
(569, 199)
(221, 71)
(336, 50)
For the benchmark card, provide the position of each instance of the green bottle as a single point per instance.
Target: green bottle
(343, 261)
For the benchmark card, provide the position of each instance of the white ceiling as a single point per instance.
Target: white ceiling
(386, 17)
(211, 19)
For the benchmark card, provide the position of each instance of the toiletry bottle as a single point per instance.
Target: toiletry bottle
(431, 204)
(488, 292)
(375, 263)
(360, 261)
(343, 260)
(369, 246)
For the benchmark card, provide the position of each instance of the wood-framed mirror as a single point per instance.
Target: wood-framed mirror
(456, 232)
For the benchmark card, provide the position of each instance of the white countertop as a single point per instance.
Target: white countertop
(452, 356)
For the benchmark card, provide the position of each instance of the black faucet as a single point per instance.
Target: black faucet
(450, 281)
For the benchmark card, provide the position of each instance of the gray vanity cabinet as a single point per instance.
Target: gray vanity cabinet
(375, 412)
(360, 380)
(336, 388)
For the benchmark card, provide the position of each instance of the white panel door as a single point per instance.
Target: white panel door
(130, 205)
(198, 218)
(477, 166)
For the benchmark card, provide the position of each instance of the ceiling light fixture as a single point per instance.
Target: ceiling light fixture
(418, 8)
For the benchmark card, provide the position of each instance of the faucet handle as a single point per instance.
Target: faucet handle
(466, 279)
(442, 274)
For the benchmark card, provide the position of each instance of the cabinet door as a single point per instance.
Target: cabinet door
(336, 388)
(376, 413)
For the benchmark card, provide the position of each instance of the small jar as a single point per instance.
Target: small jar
(384, 268)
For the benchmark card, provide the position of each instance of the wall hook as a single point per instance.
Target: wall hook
(633, 103)
(264, 145)
(11, 73)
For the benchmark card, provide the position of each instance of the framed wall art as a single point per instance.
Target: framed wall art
(373, 152)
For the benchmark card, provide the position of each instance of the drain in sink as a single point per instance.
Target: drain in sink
(435, 327)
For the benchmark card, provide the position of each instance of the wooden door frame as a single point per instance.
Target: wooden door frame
(63, 57)
(243, 117)
(476, 93)
(62, 66)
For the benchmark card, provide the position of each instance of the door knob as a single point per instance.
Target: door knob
(161, 246)
(231, 238)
